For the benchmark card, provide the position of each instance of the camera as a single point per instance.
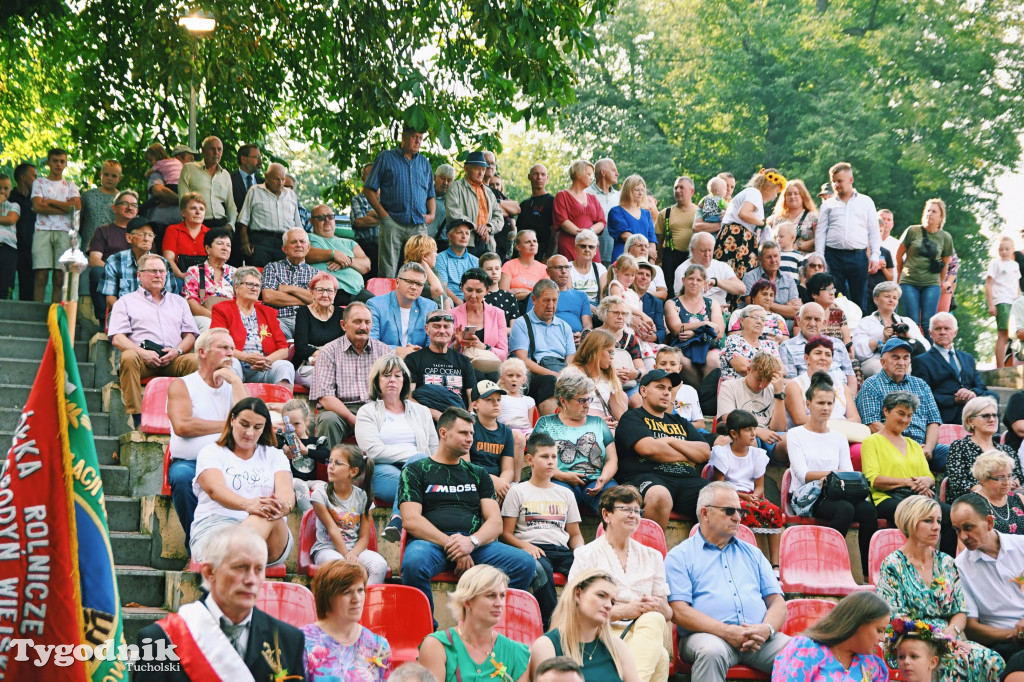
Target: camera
(901, 329)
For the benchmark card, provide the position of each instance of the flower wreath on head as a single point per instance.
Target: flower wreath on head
(901, 628)
(774, 177)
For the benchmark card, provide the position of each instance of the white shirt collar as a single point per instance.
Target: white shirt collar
(217, 613)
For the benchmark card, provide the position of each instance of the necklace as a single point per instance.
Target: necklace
(470, 644)
(1004, 517)
(590, 656)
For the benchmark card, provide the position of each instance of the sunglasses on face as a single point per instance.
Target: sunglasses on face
(728, 511)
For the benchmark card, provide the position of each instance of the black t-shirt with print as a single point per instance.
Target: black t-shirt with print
(637, 424)
(490, 446)
(451, 494)
(449, 369)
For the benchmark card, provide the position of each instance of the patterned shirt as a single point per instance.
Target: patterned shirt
(403, 184)
(285, 272)
(450, 268)
(360, 207)
(61, 190)
(344, 373)
(120, 275)
(874, 390)
(223, 288)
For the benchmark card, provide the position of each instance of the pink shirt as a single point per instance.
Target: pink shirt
(523, 277)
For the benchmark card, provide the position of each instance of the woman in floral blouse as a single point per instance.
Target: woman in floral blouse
(921, 583)
(741, 348)
(338, 648)
(981, 421)
(202, 293)
(994, 470)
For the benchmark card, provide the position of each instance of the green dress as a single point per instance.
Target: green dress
(598, 664)
(935, 604)
(507, 663)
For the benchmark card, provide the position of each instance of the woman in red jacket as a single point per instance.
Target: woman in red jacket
(261, 349)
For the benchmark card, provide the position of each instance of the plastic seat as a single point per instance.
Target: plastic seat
(942, 489)
(307, 538)
(951, 432)
(378, 286)
(521, 621)
(883, 543)
(270, 393)
(803, 613)
(814, 560)
(708, 472)
(290, 602)
(399, 614)
(742, 533)
(648, 533)
(442, 577)
(166, 488)
(155, 421)
(279, 571)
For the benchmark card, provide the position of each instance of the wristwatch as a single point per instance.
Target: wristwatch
(959, 632)
(771, 630)
(476, 543)
(713, 281)
(780, 396)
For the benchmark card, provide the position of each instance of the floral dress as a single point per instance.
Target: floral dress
(1010, 517)
(736, 345)
(368, 660)
(901, 586)
(224, 288)
(774, 325)
(962, 454)
(804, 660)
(835, 320)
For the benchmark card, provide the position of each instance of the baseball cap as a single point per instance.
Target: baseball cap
(656, 374)
(486, 388)
(182, 149)
(895, 342)
(137, 223)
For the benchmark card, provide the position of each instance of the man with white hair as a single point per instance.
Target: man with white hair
(225, 637)
(725, 597)
(950, 372)
(809, 320)
(722, 279)
(198, 404)
(605, 177)
(444, 176)
(270, 209)
(286, 281)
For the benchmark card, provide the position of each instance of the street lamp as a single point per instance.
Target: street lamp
(199, 24)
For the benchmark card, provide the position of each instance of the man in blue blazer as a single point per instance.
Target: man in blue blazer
(951, 373)
(404, 332)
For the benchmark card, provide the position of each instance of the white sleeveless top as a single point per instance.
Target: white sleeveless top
(211, 403)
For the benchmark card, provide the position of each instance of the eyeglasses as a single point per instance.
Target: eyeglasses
(413, 282)
(559, 267)
(987, 415)
(129, 204)
(320, 218)
(639, 511)
(251, 286)
(1000, 479)
(143, 235)
(154, 271)
(441, 318)
(585, 400)
(729, 511)
(322, 290)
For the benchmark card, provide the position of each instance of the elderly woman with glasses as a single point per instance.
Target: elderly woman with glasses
(587, 461)
(995, 472)
(341, 258)
(316, 325)
(586, 272)
(641, 609)
(875, 329)
(981, 421)
(741, 348)
(261, 349)
(641, 248)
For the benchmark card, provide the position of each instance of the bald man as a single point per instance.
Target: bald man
(537, 212)
(270, 209)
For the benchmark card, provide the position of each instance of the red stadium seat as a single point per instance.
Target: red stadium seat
(951, 432)
(883, 543)
(378, 286)
(708, 472)
(742, 533)
(814, 560)
(442, 577)
(648, 533)
(166, 488)
(803, 613)
(307, 538)
(399, 614)
(521, 621)
(270, 393)
(290, 602)
(155, 421)
(279, 571)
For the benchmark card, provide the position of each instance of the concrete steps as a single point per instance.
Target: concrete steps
(16, 395)
(30, 348)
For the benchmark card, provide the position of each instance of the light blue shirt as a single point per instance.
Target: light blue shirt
(729, 585)
(451, 268)
(572, 306)
(552, 339)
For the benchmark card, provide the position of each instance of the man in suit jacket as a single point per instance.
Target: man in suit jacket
(247, 175)
(951, 386)
(224, 636)
(390, 325)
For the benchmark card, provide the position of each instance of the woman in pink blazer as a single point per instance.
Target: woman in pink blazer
(478, 325)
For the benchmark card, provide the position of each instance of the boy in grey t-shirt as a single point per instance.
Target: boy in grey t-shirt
(542, 519)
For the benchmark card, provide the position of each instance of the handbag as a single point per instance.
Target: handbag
(484, 361)
(850, 486)
(186, 262)
(928, 249)
(621, 359)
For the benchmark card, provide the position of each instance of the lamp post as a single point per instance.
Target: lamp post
(199, 24)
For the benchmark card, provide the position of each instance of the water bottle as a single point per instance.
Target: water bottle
(291, 438)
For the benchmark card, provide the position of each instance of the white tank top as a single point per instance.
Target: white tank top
(211, 403)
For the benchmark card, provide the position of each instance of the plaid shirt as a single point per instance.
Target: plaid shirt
(874, 390)
(120, 275)
(344, 373)
(403, 185)
(283, 272)
(360, 207)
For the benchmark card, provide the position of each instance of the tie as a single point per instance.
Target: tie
(234, 633)
(951, 356)
(248, 181)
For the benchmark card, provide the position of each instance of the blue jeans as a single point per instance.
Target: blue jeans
(180, 474)
(850, 270)
(920, 304)
(938, 463)
(423, 560)
(583, 500)
(385, 481)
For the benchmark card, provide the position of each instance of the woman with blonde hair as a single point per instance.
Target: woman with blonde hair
(921, 262)
(581, 631)
(472, 651)
(631, 216)
(744, 221)
(595, 359)
(577, 209)
(423, 250)
(798, 209)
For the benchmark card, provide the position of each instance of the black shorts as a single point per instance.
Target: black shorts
(683, 489)
(542, 387)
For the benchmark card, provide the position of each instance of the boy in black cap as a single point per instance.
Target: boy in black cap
(659, 453)
(493, 444)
